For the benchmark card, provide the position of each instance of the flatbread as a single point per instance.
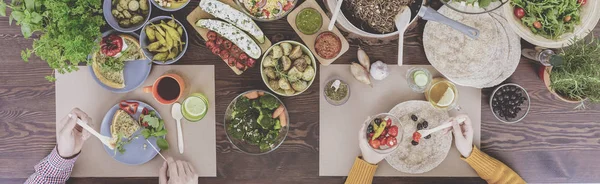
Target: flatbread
(96, 67)
(514, 54)
(430, 152)
(466, 61)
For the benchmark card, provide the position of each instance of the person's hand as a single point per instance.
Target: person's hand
(368, 154)
(463, 135)
(70, 136)
(180, 172)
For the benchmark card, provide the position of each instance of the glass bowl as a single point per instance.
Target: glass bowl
(395, 121)
(334, 102)
(242, 7)
(411, 81)
(462, 6)
(525, 106)
(243, 145)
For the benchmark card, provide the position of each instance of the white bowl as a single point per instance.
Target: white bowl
(590, 14)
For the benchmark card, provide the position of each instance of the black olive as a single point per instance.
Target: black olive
(414, 117)
(414, 143)
(419, 126)
(370, 129)
(517, 110)
(425, 124)
(377, 121)
(523, 98)
(499, 93)
(513, 97)
(428, 136)
(501, 114)
(506, 97)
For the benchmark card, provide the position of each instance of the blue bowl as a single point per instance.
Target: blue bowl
(170, 9)
(107, 8)
(144, 42)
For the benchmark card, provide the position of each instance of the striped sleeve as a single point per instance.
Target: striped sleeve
(362, 172)
(52, 170)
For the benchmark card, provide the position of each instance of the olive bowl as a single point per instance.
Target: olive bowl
(525, 106)
(168, 9)
(113, 22)
(144, 41)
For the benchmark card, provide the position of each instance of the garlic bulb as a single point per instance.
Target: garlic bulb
(379, 70)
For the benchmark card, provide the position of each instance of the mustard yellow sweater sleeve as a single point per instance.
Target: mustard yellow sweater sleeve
(362, 172)
(492, 170)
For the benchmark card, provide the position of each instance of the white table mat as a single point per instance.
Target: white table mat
(339, 125)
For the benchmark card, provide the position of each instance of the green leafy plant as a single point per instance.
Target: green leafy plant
(578, 77)
(67, 30)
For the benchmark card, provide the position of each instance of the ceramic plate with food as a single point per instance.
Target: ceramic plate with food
(127, 15)
(164, 40)
(570, 19)
(119, 65)
(266, 10)
(288, 68)
(430, 151)
(133, 121)
(256, 122)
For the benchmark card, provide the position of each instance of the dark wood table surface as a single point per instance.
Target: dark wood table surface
(554, 143)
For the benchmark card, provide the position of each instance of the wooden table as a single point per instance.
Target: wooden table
(554, 143)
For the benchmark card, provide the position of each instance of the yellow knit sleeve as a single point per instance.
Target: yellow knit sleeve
(492, 170)
(362, 172)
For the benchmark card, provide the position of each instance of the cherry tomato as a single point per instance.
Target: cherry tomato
(224, 54)
(216, 50)
(393, 131)
(537, 25)
(369, 135)
(250, 62)
(235, 50)
(230, 62)
(210, 44)
(388, 122)
(243, 57)
(375, 143)
(145, 124)
(227, 44)
(219, 41)
(240, 65)
(211, 35)
(567, 18)
(392, 141)
(384, 141)
(145, 111)
(582, 2)
(519, 12)
(111, 45)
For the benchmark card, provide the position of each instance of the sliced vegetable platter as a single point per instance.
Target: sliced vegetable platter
(211, 23)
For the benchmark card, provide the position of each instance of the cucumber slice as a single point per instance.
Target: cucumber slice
(420, 78)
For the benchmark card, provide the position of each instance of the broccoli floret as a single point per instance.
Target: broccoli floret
(242, 105)
(269, 102)
(265, 120)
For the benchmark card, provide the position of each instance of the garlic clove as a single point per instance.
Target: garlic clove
(379, 70)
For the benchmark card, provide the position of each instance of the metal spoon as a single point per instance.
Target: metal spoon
(176, 113)
(401, 20)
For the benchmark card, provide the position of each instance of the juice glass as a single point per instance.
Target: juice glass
(194, 107)
(442, 94)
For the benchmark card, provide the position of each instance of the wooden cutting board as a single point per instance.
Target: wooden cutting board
(198, 14)
(309, 40)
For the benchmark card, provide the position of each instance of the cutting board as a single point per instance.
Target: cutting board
(309, 40)
(198, 14)
(338, 138)
(78, 89)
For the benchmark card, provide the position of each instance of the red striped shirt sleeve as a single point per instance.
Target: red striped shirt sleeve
(52, 170)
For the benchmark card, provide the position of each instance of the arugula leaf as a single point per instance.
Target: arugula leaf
(162, 143)
(146, 133)
(159, 133)
(151, 120)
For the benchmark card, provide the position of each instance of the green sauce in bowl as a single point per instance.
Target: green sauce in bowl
(309, 21)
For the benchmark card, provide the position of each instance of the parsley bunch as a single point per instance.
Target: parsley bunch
(68, 30)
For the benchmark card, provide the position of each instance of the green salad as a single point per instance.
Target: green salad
(256, 120)
(549, 18)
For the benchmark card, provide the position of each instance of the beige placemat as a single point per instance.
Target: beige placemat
(338, 141)
(78, 89)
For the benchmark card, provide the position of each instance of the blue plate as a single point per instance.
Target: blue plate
(135, 72)
(134, 154)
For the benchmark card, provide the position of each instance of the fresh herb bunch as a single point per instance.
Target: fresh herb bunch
(67, 30)
(579, 76)
(551, 15)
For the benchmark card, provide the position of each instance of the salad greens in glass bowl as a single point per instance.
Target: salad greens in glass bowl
(474, 6)
(256, 122)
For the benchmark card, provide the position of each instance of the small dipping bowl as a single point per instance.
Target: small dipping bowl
(525, 106)
(336, 102)
(395, 121)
